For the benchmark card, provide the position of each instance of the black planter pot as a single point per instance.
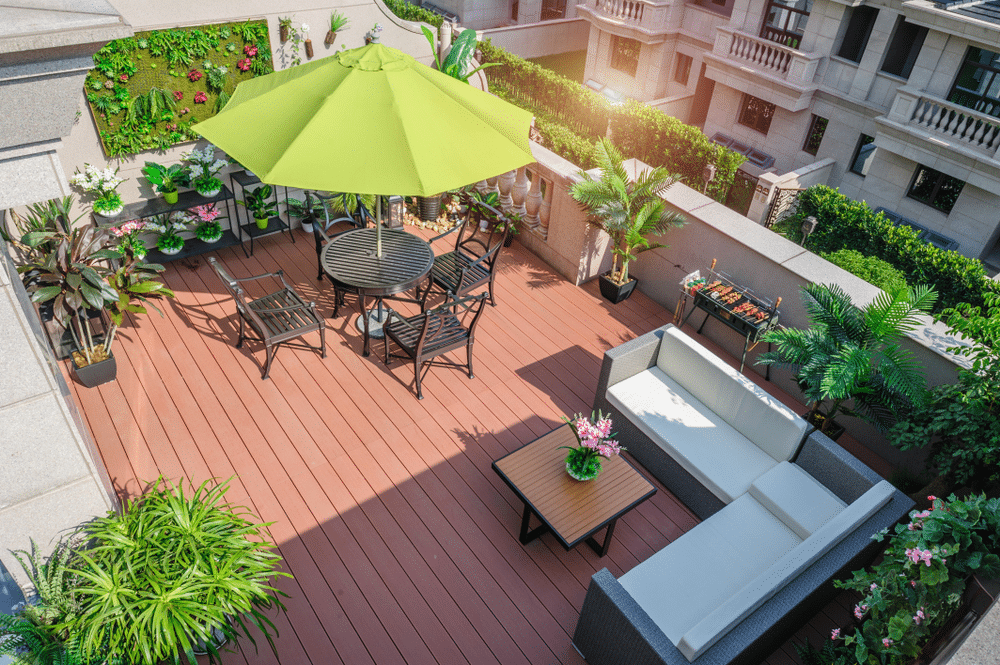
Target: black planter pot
(616, 293)
(429, 207)
(219, 640)
(96, 373)
(834, 430)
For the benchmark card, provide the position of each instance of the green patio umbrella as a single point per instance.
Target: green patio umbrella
(370, 120)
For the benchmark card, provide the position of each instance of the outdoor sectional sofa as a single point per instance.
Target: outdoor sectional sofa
(785, 510)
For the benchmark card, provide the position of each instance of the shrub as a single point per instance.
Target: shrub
(410, 12)
(660, 140)
(557, 136)
(869, 268)
(844, 222)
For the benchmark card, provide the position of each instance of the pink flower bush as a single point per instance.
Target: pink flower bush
(200, 97)
(250, 50)
(206, 213)
(916, 555)
(194, 75)
(243, 65)
(178, 95)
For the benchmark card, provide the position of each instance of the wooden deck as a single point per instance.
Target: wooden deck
(401, 539)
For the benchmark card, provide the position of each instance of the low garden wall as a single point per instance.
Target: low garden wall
(546, 38)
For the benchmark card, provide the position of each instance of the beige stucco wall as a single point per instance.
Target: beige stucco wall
(538, 39)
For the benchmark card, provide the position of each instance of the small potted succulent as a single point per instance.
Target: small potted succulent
(104, 184)
(203, 166)
(166, 179)
(337, 22)
(258, 202)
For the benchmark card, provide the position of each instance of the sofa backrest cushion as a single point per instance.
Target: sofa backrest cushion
(690, 577)
(768, 423)
(737, 607)
(796, 498)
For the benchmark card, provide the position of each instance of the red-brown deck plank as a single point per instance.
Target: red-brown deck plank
(402, 540)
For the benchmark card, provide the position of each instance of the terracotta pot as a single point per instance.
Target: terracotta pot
(330, 37)
(309, 48)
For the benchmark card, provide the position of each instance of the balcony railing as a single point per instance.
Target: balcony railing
(952, 123)
(767, 57)
(627, 10)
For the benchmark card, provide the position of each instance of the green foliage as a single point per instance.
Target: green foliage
(459, 56)
(628, 211)
(142, 74)
(869, 268)
(169, 569)
(337, 21)
(532, 87)
(258, 202)
(654, 137)
(573, 116)
(411, 12)
(961, 421)
(844, 222)
(166, 178)
(852, 353)
(920, 581)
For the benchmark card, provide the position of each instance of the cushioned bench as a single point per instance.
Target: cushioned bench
(780, 521)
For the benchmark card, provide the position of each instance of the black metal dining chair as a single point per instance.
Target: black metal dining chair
(326, 228)
(276, 318)
(474, 261)
(424, 337)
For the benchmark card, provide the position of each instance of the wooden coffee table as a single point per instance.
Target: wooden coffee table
(572, 510)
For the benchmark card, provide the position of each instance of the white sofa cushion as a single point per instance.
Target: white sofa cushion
(739, 605)
(685, 581)
(760, 417)
(796, 498)
(697, 438)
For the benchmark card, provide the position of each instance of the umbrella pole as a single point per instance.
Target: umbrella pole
(378, 226)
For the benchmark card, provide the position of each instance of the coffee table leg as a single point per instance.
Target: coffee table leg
(527, 536)
(603, 549)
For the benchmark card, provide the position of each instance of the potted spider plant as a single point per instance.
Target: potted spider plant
(337, 23)
(629, 211)
(259, 204)
(166, 179)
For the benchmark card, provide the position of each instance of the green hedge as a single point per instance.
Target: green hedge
(869, 268)
(656, 138)
(411, 12)
(845, 223)
(531, 86)
(574, 116)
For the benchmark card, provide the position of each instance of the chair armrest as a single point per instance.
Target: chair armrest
(627, 360)
(446, 233)
(255, 277)
(838, 470)
(290, 308)
(402, 320)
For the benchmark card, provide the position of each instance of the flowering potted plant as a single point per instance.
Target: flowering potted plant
(169, 241)
(202, 169)
(129, 243)
(166, 179)
(337, 22)
(102, 183)
(209, 229)
(584, 461)
(306, 41)
(372, 36)
(258, 202)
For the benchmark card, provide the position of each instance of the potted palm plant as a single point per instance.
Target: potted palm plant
(166, 179)
(853, 355)
(629, 211)
(258, 202)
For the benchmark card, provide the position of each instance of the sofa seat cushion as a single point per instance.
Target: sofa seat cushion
(684, 582)
(697, 438)
(779, 573)
(757, 415)
(796, 498)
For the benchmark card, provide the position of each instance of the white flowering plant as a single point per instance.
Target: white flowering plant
(202, 167)
(103, 184)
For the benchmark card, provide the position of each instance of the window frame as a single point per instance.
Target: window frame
(982, 103)
(780, 33)
(618, 52)
(914, 43)
(758, 119)
(857, 153)
(857, 34)
(939, 180)
(687, 62)
(814, 130)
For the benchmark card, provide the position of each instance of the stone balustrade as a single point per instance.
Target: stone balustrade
(767, 57)
(626, 10)
(955, 124)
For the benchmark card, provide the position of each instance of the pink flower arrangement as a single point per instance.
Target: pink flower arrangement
(178, 95)
(200, 97)
(206, 213)
(194, 75)
(592, 434)
(128, 228)
(243, 65)
(250, 50)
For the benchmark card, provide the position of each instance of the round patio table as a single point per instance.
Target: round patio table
(350, 262)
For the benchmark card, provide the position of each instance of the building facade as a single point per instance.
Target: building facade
(904, 96)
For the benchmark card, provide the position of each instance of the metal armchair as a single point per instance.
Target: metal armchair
(324, 229)
(423, 337)
(276, 318)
